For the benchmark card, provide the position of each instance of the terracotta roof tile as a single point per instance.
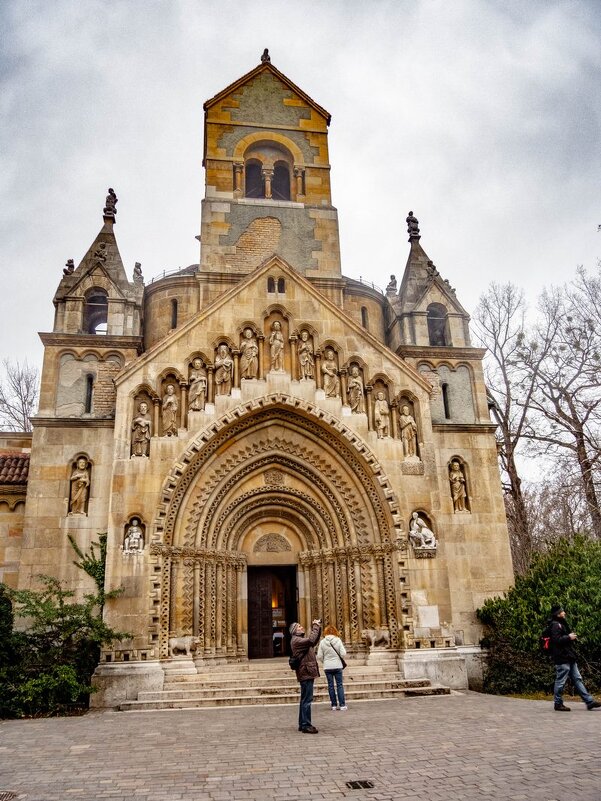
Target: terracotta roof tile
(14, 468)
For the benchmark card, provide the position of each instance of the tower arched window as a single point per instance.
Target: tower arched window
(89, 393)
(364, 317)
(281, 286)
(254, 185)
(271, 284)
(437, 324)
(280, 188)
(446, 401)
(96, 310)
(174, 313)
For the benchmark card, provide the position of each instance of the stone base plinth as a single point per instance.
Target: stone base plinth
(447, 666)
(116, 683)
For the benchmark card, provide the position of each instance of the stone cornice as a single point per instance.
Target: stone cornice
(95, 341)
(72, 422)
(438, 352)
(468, 428)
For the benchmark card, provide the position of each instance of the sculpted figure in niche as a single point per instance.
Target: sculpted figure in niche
(419, 533)
(458, 492)
(408, 432)
(276, 346)
(169, 412)
(224, 365)
(305, 356)
(197, 393)
(331, 382)
(134, 537)
(355, 392)
(382, 416)
(141, 431)
(80, 487)
(249, 355)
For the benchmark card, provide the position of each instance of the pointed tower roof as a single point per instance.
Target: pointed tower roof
(267, 66)
(421, 276)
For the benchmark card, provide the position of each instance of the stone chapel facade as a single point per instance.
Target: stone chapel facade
(264, 439)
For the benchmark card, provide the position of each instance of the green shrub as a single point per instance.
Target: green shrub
(569, 574)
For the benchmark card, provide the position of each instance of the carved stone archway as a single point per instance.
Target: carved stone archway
(330, 489)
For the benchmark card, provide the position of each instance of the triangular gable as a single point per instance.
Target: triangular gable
(229, 297)
(90, 273)
(267, 67)
(426, 297)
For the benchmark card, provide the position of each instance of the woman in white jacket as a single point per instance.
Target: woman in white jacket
(330, 652)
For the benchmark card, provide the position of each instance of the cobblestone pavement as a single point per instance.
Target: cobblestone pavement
(462, 747)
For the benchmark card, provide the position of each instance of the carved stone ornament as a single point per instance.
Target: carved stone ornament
(305, 356)
(329, 369)
(272, 543)
(134, 538)
(249, 354)
(420, 536)
(273, 477)
(141, 427)
(69, 267)
(382, 416)
(197, 392)
(412, 226)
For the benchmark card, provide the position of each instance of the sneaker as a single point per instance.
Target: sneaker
(563, 708)
(334, 709)
(594, 705)
(343, 708)
(310, 730)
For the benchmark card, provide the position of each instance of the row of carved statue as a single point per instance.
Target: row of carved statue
(80, 482)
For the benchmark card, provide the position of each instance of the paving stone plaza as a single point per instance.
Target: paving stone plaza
(464, 747)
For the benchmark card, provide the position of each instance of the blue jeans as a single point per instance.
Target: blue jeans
(330, 676)
(304, 710)
(561, 676)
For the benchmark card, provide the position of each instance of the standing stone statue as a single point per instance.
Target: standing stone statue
(141, 431)
(276, 348)
(355, 391)
(249, 355)
(134, 537)
(69, 267)
(331, 382)
(419, 533)
(110, 204)
(382, 416)
(458, 492)
(305, 356)
(197, 393)
(169, 412)
(408, 432)
(138, 277)
(224, 367)
(412, 226)
(80, 487)
(392, 286)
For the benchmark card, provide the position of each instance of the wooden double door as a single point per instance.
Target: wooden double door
(272, 608)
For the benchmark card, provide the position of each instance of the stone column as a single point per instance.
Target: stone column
(318, 375)
(238, 169)
(393, 420)
(236, 355)
(261, 341)
(343, 374)
(371, 425)
(241, 577)
(183, 404)
(298, 174)
(267, 177)
(210, 384)
(293, 354)
(156, 404)
(196, 599)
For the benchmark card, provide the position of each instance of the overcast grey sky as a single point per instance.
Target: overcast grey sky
(482, 117)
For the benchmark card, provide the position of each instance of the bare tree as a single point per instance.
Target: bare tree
(562, 357)
(18, 395)
(499, 326)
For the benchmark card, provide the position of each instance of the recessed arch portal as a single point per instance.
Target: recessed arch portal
(276, 457)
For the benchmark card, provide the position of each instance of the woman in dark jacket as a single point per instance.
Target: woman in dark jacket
(307, 671)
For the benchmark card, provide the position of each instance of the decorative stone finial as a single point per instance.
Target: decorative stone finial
(265, 58)
(69, 267)
(110, 205)
(138, 278)
(412, 227)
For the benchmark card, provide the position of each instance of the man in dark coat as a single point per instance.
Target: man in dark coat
(307, 671)
(564, 657)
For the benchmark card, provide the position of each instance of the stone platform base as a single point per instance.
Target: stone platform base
(459, 668)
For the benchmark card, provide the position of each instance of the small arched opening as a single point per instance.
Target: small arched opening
(96, 308)
(437, 325)
(281, 181)
(253, 179)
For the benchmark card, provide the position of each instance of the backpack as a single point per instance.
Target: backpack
(544, 641)
(294, 662)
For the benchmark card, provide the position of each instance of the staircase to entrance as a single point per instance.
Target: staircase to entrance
(270, 681)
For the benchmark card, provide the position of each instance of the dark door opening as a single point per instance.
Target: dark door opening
(271, 610)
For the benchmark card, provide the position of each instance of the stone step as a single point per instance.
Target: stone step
(226, 673)
(276, 687)
(281, 698)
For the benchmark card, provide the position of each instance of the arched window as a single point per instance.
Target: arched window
(437, 324)
(445, 401)
(364, 317)
(280, 188)
(281, 286)
(174, 314)
(271, 284)
(95, 314)
(253, 180)
(89, 393)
